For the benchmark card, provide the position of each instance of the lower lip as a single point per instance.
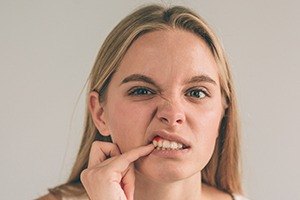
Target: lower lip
(170, 153)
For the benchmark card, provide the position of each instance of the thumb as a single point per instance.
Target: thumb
(128, 182)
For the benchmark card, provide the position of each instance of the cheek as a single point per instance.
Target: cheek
(209, 125)
(207, 134)
(206, 130)
(127, 122)
(206, 119)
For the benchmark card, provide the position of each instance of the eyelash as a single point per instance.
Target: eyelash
(135, 89)
(133, 92)
(198, 90)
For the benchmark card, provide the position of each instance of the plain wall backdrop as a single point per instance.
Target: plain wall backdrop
(47, 49)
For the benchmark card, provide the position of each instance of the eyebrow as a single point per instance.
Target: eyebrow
(141, 78)
(201, 78)
(146, 79)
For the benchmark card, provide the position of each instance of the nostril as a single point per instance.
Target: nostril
(179, 121)
(164, 120)
(167, 121)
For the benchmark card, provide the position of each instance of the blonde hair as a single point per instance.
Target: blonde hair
(223, 169)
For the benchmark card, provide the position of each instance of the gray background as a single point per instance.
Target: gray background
(47, 49)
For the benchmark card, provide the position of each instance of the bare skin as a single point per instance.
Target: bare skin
(209, 193)
(109, 168)
(177, 102)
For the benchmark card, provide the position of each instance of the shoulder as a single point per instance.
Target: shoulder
(48, 197)
(239, 197)
(51, 196)
(212, 193)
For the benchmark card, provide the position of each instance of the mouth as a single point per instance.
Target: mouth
(163, 144)
(166, 141)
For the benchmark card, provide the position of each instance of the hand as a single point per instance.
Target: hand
(110, 174)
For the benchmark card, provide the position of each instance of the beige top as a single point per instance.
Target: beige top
(84, 197)
(239, 197)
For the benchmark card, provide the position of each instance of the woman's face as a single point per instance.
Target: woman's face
(167, 82)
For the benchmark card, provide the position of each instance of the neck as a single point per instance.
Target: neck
(189, 188)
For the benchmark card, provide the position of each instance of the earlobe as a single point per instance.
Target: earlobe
(97, 112)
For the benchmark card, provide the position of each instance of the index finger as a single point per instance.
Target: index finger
(124, 160)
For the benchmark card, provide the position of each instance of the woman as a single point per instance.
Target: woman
(161, 117)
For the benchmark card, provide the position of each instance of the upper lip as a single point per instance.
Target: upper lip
(169, 136)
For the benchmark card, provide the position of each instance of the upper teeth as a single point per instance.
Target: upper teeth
(166, 144)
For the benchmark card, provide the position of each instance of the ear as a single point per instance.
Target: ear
(225, 102)
(97, 111)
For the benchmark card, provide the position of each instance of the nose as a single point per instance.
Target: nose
(170, 113)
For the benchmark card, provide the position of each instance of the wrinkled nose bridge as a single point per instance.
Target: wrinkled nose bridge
(169, 112)
(166, 100)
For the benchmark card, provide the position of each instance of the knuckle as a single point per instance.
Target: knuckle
(95, 144)
(90, 176)
(105, 145)
(115, 147)
(87, 175)
(128, 160)
(83, 175)
(125, 157)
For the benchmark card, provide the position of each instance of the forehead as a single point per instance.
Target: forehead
(168, 53)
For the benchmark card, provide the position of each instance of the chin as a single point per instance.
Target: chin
(164, 172)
